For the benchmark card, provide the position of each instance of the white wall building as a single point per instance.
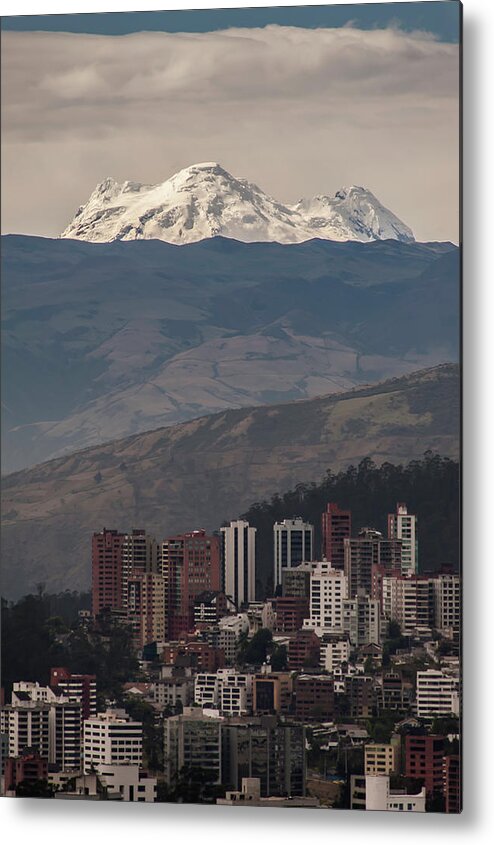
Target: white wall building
(239, 561)
(378, 796)
(127, 779)
(27, 725)
(333, 653)
(437, 694)
(328, 591)
(403, 526)
(111, 738)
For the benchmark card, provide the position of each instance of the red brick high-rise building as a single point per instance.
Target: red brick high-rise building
(424, 759)
(336, 525)
(190, 564)
(82, 687)
(107, 566)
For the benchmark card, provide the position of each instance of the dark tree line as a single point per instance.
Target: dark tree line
(430, 487)
(34, 640)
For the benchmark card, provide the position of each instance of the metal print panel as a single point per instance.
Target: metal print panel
(231, 407)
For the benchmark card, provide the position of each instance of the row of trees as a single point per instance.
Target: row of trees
(430, 487)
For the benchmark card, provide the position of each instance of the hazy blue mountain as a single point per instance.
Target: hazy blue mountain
(106, 340)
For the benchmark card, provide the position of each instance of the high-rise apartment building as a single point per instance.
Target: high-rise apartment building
(336, 526)
(27, 725)
(111, 738)
(328, 591)
(437, 694)
(293, 544)
(424, 760)
(447, 603)
(79, 687)
(408, 600)
(139, 554)
(107, 571)
(239, 562)
(403, 526)
(267, 749)
(193, 740)
(146, 607)
(190, 564)
(362, 620)
(370, 549)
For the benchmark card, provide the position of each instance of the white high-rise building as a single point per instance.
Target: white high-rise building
(403, 526)
(111, 738)
(437, 694)
(239, 562)
(328, 591)
(293, 544)
(27, 725)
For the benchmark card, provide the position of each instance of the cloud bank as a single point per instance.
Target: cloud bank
(298, 111)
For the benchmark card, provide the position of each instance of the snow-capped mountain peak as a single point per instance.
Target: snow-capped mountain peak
(204, 200)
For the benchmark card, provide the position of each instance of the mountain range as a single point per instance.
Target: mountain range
(202, 472)
(205, 201)
(101, 341)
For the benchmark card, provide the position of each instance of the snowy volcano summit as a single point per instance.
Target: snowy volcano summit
(204, 200)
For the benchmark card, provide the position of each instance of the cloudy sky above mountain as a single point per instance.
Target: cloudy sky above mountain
(298, 111)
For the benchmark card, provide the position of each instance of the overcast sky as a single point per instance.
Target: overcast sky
(298, 111)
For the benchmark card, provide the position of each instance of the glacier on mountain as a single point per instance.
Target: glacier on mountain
(204, 200)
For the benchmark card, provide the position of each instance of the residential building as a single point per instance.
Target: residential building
(304, 650)
(79, 687)
(381, 758)
(334, 650)
(193, 740)
(408, 600)
(336, 527)
(447, 604)
(314, 698)
(437, 694)
(328, 591)
(190, 564)
(107, 571)
(452, 783)
(173, 691)
(403, 526)
(139, 553)
(146, 612)
(210, 606)
(362, 620)
(379, 796)
(295, 582)
(239, 562)
(27, 768)
(111, 738)
(267, 749)
(366, 551)
(293, 544)
(424, 760)
(271, 691)
(27, 725)
(359, 696)
(290, 613)
(129, 781)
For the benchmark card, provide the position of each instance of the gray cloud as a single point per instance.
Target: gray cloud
(298, 111)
